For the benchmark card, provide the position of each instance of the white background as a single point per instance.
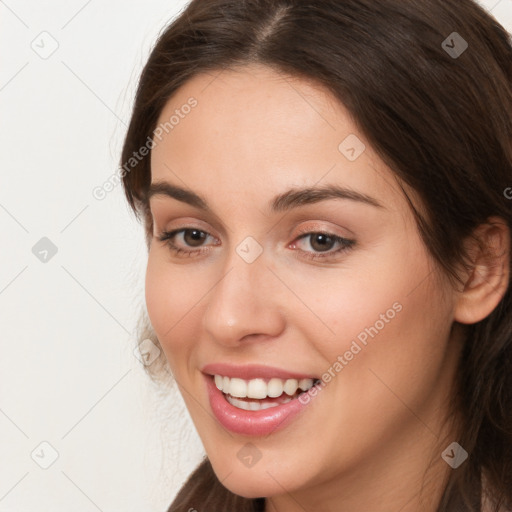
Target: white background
(68, 375)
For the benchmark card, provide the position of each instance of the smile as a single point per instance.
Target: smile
(259, 393)
(255, 400)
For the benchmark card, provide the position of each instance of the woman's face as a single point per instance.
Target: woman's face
(265, 290)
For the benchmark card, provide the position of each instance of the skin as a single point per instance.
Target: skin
(365, 441)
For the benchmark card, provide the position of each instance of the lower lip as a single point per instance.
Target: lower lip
(251, 423)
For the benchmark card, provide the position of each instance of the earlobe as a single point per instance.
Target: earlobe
(488, 279)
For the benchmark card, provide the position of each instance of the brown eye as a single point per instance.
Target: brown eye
(322, 245)
(180, 239)
(194, 237)
(321, 241)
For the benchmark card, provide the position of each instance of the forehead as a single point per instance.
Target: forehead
(257, 104)
(253, 128)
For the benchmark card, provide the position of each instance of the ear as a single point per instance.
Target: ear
(488, 279)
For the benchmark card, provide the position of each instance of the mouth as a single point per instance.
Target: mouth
(259, 393)
(256, 400)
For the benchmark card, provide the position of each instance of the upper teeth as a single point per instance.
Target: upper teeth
(260, 388)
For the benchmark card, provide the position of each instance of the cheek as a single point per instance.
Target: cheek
(356, 304)
(387, 317)
(393, 345)
(158, 294)
(170, 299)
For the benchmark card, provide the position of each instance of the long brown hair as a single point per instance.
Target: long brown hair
(441, 121)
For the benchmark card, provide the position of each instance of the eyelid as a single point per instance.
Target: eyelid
(181, 224)
(318, 228)
(164, 215)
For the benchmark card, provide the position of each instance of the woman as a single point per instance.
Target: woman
(325, 189)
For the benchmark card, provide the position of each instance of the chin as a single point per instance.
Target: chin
(253, 482)
(250, 487)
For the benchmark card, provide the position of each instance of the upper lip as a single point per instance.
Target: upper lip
(252, 371)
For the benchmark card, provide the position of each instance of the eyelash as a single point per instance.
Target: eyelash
(346, 244)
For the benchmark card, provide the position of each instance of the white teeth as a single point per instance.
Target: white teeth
(254, 406)
(290, 386)
(256, 388)
(260, 388)
(305, 384)
(275, 388)
(238, 387)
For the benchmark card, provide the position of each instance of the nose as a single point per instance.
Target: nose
(244, 303)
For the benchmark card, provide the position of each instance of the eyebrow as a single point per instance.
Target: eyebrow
(288, 200)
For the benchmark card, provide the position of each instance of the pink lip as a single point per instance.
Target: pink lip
(252, 371)
(250, 423)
